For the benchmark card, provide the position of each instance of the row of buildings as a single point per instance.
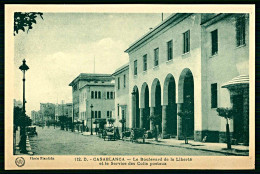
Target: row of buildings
(193, 62)
(51, 112)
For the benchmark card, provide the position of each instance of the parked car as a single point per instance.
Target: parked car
(31, 130)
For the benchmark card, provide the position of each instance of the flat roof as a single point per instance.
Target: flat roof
(91, 76)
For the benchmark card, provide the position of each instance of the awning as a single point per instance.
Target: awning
(237, 81)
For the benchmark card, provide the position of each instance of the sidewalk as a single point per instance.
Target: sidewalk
(28, 145)
(237, 150)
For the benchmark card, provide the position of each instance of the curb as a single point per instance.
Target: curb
(28, 146)
(207, 150)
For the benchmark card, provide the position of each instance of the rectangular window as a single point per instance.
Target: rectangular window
(99, 94)
(169, 50)
(107, 114)
(99, 114)
(135, 67)
(123, 114)
(111, 95)
(92, 114)
(156, 57)
(124, 80)
(95, 114)
(118, 83)
(118, 110)
(92, 94)
(95, 94)
(240, 30)
(110, 114)
(186, 41)
(107, 95)
(145, 62)
(214, 95)
(214, 42)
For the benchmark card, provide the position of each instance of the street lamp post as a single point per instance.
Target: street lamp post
(23, 68)
(91, 106)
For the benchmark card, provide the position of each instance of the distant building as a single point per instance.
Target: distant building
(47, 111)
(63, 110)
(96, 90)
(18, 103)
(121, 76)
(35, 117)
(195, 63)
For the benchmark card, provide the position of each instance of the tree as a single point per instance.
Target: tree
(185, 115)
(111, 121)
(122, 121)
(21, 120)
(227, 113)
(24, 20)
(156, 121)
(63, 122)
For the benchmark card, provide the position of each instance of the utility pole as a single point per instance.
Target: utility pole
(162, 16)
(94, 64)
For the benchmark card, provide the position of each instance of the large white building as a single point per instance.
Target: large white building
(96, 90)
(197, 63)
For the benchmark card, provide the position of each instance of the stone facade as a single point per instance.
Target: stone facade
(121, 76)
(35, 117)
(47, 111)
(189, 57)
(63, 109)
(96, 90)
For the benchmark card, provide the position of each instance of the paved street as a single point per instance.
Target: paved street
(52, 141)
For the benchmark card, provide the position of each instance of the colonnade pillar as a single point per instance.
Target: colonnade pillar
(151, 113)
(141, 117)
(164, 121)
(133, 110)
(179, 122)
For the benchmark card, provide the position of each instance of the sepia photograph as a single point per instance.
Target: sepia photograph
(122, 87)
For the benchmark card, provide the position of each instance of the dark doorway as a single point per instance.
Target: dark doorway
(171, 109)
(188, 103)
(146, 109)
(238, 133)
(158, 106)
(137, 110)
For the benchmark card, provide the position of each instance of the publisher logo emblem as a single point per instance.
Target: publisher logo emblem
(20, 161)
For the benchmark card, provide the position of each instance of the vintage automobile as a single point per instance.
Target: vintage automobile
(111, 133)
(31, 130)
(137, 133)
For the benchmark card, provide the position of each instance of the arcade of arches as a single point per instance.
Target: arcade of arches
(171, 124)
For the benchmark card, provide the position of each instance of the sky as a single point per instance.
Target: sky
(63, 45)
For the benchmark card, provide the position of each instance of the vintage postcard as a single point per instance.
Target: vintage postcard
(129, 87)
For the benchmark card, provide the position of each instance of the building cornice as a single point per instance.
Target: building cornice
(172, 20)
(100, 85)
(215, 19)
(121, 69)
(90, 76)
